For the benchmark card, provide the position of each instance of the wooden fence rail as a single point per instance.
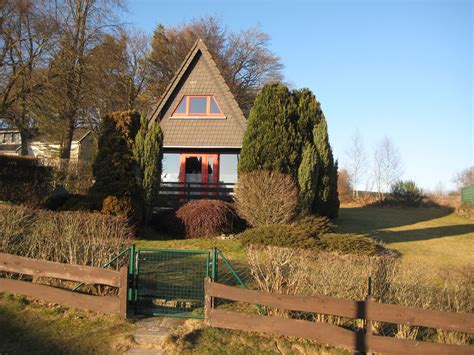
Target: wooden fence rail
(331, 334)
(79, 273)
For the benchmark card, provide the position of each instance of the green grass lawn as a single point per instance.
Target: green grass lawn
(28, 327)
(429, 235)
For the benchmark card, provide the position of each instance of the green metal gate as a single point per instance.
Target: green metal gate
(170, 282)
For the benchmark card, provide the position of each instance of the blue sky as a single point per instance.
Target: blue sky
(397, 68)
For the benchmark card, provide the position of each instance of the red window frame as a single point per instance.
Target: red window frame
(208, 107)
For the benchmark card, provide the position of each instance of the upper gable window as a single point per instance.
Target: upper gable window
(198, 106)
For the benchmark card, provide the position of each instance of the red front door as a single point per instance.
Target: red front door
(201, 169)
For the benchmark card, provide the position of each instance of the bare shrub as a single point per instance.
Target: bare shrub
(206, 218)
(66, 237)
(289, 271)
(266, 197)
(76, 176)
(456, 296)
(15, 224)
(279, 270)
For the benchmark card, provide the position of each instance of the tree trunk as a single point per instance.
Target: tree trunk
(24, 142)
(66, 144)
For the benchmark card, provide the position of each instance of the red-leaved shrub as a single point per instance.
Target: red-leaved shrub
(206, 218)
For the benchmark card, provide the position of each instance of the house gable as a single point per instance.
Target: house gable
(199, 76)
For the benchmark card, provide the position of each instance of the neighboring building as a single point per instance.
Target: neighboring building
(203, 126)
(43, 148)
(10, 141)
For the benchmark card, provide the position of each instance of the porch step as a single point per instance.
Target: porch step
(151, 337)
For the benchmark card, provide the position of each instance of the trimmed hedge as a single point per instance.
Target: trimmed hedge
(67, 237)
(24, 180)
(206, 218)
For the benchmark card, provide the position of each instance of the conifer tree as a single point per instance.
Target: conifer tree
(270, 141)
(308, 178)
(148, 151)
(114, 166)
(325, 202)
(287, 132)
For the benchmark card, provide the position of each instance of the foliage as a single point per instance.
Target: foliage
(269, 140)
(350, 244)
(124, 206)
(67, 237)
(264, 197)
(244, 58)
(406, 193)
(307, 179)
(206, 218)
(326, 202)
(148, 151)
(115, 167)
(297, 237)
(287, 132)
(279, 235)
(24, 180)
(314, 226)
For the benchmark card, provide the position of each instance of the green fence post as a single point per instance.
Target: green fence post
(131, 273)
(214, 264)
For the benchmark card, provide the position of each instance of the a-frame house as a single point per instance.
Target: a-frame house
(202, 124)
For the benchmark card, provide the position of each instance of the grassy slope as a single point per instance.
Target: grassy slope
(433, 236)
(29, 327)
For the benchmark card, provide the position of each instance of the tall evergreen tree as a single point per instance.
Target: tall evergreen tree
(308, 178)
(148, 151)
(270, 141)
(325, 201)
(114, 166)
(287, 132)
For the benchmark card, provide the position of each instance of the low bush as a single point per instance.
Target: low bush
(125, 207)
(264, 198)
(67, 237)
(206, 218)
(304, 236)
(406, 193)
(279, 235)
(24, 180)
(314, 226)
(350, 244)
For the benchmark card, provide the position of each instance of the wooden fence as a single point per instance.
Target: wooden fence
(363, 341)
(78, 273)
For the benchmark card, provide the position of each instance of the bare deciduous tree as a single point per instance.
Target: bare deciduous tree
(83, 26)
(387, 165)
(464, 178)
(357, 164)
(27, 31)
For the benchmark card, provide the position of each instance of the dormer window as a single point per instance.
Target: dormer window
(198, 106)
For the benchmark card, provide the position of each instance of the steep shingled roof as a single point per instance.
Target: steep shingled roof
(199, 75)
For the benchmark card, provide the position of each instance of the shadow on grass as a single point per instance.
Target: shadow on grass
(423, 233)
(19, 337)
(369, 219)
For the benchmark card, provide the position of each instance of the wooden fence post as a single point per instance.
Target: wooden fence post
(123, 291)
